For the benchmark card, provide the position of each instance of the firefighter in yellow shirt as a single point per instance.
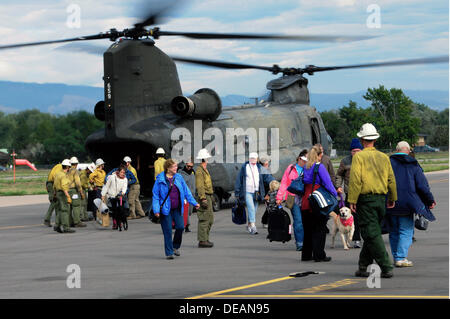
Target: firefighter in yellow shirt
(84, 178)
(96, 180)
(76, 193)
(61, 187)
(371, 178)
(134, 192)
(159, 163)
(51, 194)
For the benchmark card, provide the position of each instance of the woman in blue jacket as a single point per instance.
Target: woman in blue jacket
(169, 193)
(414, 196)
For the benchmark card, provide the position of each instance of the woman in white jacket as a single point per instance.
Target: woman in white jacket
(113, 192)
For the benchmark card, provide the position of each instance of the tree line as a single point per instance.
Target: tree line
(395, 116)
(43, 138)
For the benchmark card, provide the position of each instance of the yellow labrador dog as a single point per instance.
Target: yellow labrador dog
(344, 224)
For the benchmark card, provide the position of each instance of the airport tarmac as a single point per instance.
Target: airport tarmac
(36, 261)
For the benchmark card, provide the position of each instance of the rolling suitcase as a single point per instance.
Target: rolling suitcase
(279, 226)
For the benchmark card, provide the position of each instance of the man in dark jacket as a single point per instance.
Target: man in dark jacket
(343, 177)
(414, 196)
(249, 188)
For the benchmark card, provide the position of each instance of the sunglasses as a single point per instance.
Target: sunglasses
(189, 166)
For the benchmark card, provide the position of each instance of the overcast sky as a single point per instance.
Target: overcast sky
(408, 29)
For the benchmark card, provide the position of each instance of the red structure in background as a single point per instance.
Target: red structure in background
(20, 162)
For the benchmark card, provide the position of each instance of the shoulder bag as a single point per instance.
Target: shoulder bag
(321, 198)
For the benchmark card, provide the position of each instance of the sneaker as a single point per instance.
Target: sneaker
(170, 257)
(356, 244)
(403, 263)
(176, 252)
(361, 273)
(249, 229)
(299, 248)
(254, 231)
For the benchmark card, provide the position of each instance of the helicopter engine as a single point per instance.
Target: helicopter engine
(204, 104)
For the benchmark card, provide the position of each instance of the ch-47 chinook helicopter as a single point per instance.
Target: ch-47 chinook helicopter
(144, 104)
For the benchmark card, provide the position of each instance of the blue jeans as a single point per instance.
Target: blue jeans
(298, 225)
(400, 235)
(166, 225)
(252, 206)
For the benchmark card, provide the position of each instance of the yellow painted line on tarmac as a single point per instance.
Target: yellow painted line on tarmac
(332, 285)
(19, 227)
(333, 296)
(216, 293)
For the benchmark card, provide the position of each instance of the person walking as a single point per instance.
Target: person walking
(158, 165)
(205, 191)
(169, 193)
(343, 177)
(96, 180)
(61, 187)
(293, 201)
(76, 193)
(51, 195)
(134, 192)
(188, 174)
(326, 161)
(114, 189)
(84, 179)
(371, 178)
(249, 188)
(414, 196)
(314, 222)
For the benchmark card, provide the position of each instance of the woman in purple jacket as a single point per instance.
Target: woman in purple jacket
(314, 223)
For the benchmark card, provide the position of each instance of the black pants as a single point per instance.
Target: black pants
(315, 231)
(357, 233)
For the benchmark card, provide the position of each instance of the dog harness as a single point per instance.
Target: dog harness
(346, 222)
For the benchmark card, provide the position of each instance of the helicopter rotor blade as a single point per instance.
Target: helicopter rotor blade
(255, 36)
(84, 38)
(222, 65)
(158, 12)
(439, 59)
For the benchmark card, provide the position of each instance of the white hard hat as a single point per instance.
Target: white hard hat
(203, 154)
(74, 160)
(99, 162)
(253, 155)
(66, 162)
(368, 132)
(91, 167)
(160, 151)
(127, 159)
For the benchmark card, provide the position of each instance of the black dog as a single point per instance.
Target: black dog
(120, 212)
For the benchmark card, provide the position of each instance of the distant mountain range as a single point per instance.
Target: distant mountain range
(62, 98)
